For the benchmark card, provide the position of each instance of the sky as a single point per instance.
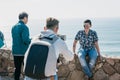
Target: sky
(61, 9)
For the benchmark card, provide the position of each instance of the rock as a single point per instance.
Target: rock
(1, 51)
(117, 60)
(108, 69)
(8, 51)
(77, 63)
(63, 71)
(76, 75)
(4, 62)
(1, 70)
(117, 67)
(11, 63)
(71, 66)
(100, 75)
(8, 78)
(110, 61)
(11, 57)
(62, 78)
(11, 75)
(116, 76)
(10, 69)
(98, 66)
(6, 55)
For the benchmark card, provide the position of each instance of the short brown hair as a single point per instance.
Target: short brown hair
(51, 23)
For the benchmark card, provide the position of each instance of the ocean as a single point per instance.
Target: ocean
(108, 30)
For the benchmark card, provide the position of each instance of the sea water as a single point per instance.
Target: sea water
(108, 30)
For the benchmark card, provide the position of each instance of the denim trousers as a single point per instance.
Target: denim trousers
(28, 78)
(87, 66)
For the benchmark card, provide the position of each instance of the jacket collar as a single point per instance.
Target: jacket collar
(21, 22)
(50, 31)
(47, 32)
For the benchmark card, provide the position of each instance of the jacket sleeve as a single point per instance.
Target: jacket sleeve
(63, 49)
(1, 36)
(25, 36)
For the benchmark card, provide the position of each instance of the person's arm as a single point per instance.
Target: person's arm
(96, 43)
(74, 46)
(77, 37)
(97, 47)
(1, 36)
(25, 36)
(63, 49)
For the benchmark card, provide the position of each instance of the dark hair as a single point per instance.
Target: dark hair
(22, 15)
(88, 21)
(51, 23)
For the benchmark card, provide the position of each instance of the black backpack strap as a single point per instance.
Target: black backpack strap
(51, 38)
(46, 38)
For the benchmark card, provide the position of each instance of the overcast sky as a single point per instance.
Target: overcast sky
(41, 9)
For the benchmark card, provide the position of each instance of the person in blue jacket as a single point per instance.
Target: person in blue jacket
(20, 42)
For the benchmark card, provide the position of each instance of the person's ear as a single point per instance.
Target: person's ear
(25, 20)
(84, 25)
(90, 25)
(56, 29)
(45, 28)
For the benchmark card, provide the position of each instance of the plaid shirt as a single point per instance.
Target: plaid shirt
(87, 42)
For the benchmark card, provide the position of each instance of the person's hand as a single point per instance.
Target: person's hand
(75, 55)
(100, 57)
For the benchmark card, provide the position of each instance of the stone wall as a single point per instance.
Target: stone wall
(107, 69)
(6, 63)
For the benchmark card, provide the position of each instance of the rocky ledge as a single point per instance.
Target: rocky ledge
(105, 69)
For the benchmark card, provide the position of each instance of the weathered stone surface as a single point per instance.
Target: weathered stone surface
(116, 60)
(63, 71)
(77, 63)
(116, 76)
(76, 75)
(5, 62)
(110, 61)
(62, 78)
(6, 55)
(108, 69)
(117, 67)
(71, 66)
(8, 78)
(100, 75)
(98, 66)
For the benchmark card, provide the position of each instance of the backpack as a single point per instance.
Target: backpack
(37, 56)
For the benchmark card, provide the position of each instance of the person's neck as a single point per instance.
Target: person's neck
(87, 31)
(52, 31)
(22, 21)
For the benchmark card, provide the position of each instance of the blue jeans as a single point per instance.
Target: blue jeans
(28, 78)
(87, 67)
